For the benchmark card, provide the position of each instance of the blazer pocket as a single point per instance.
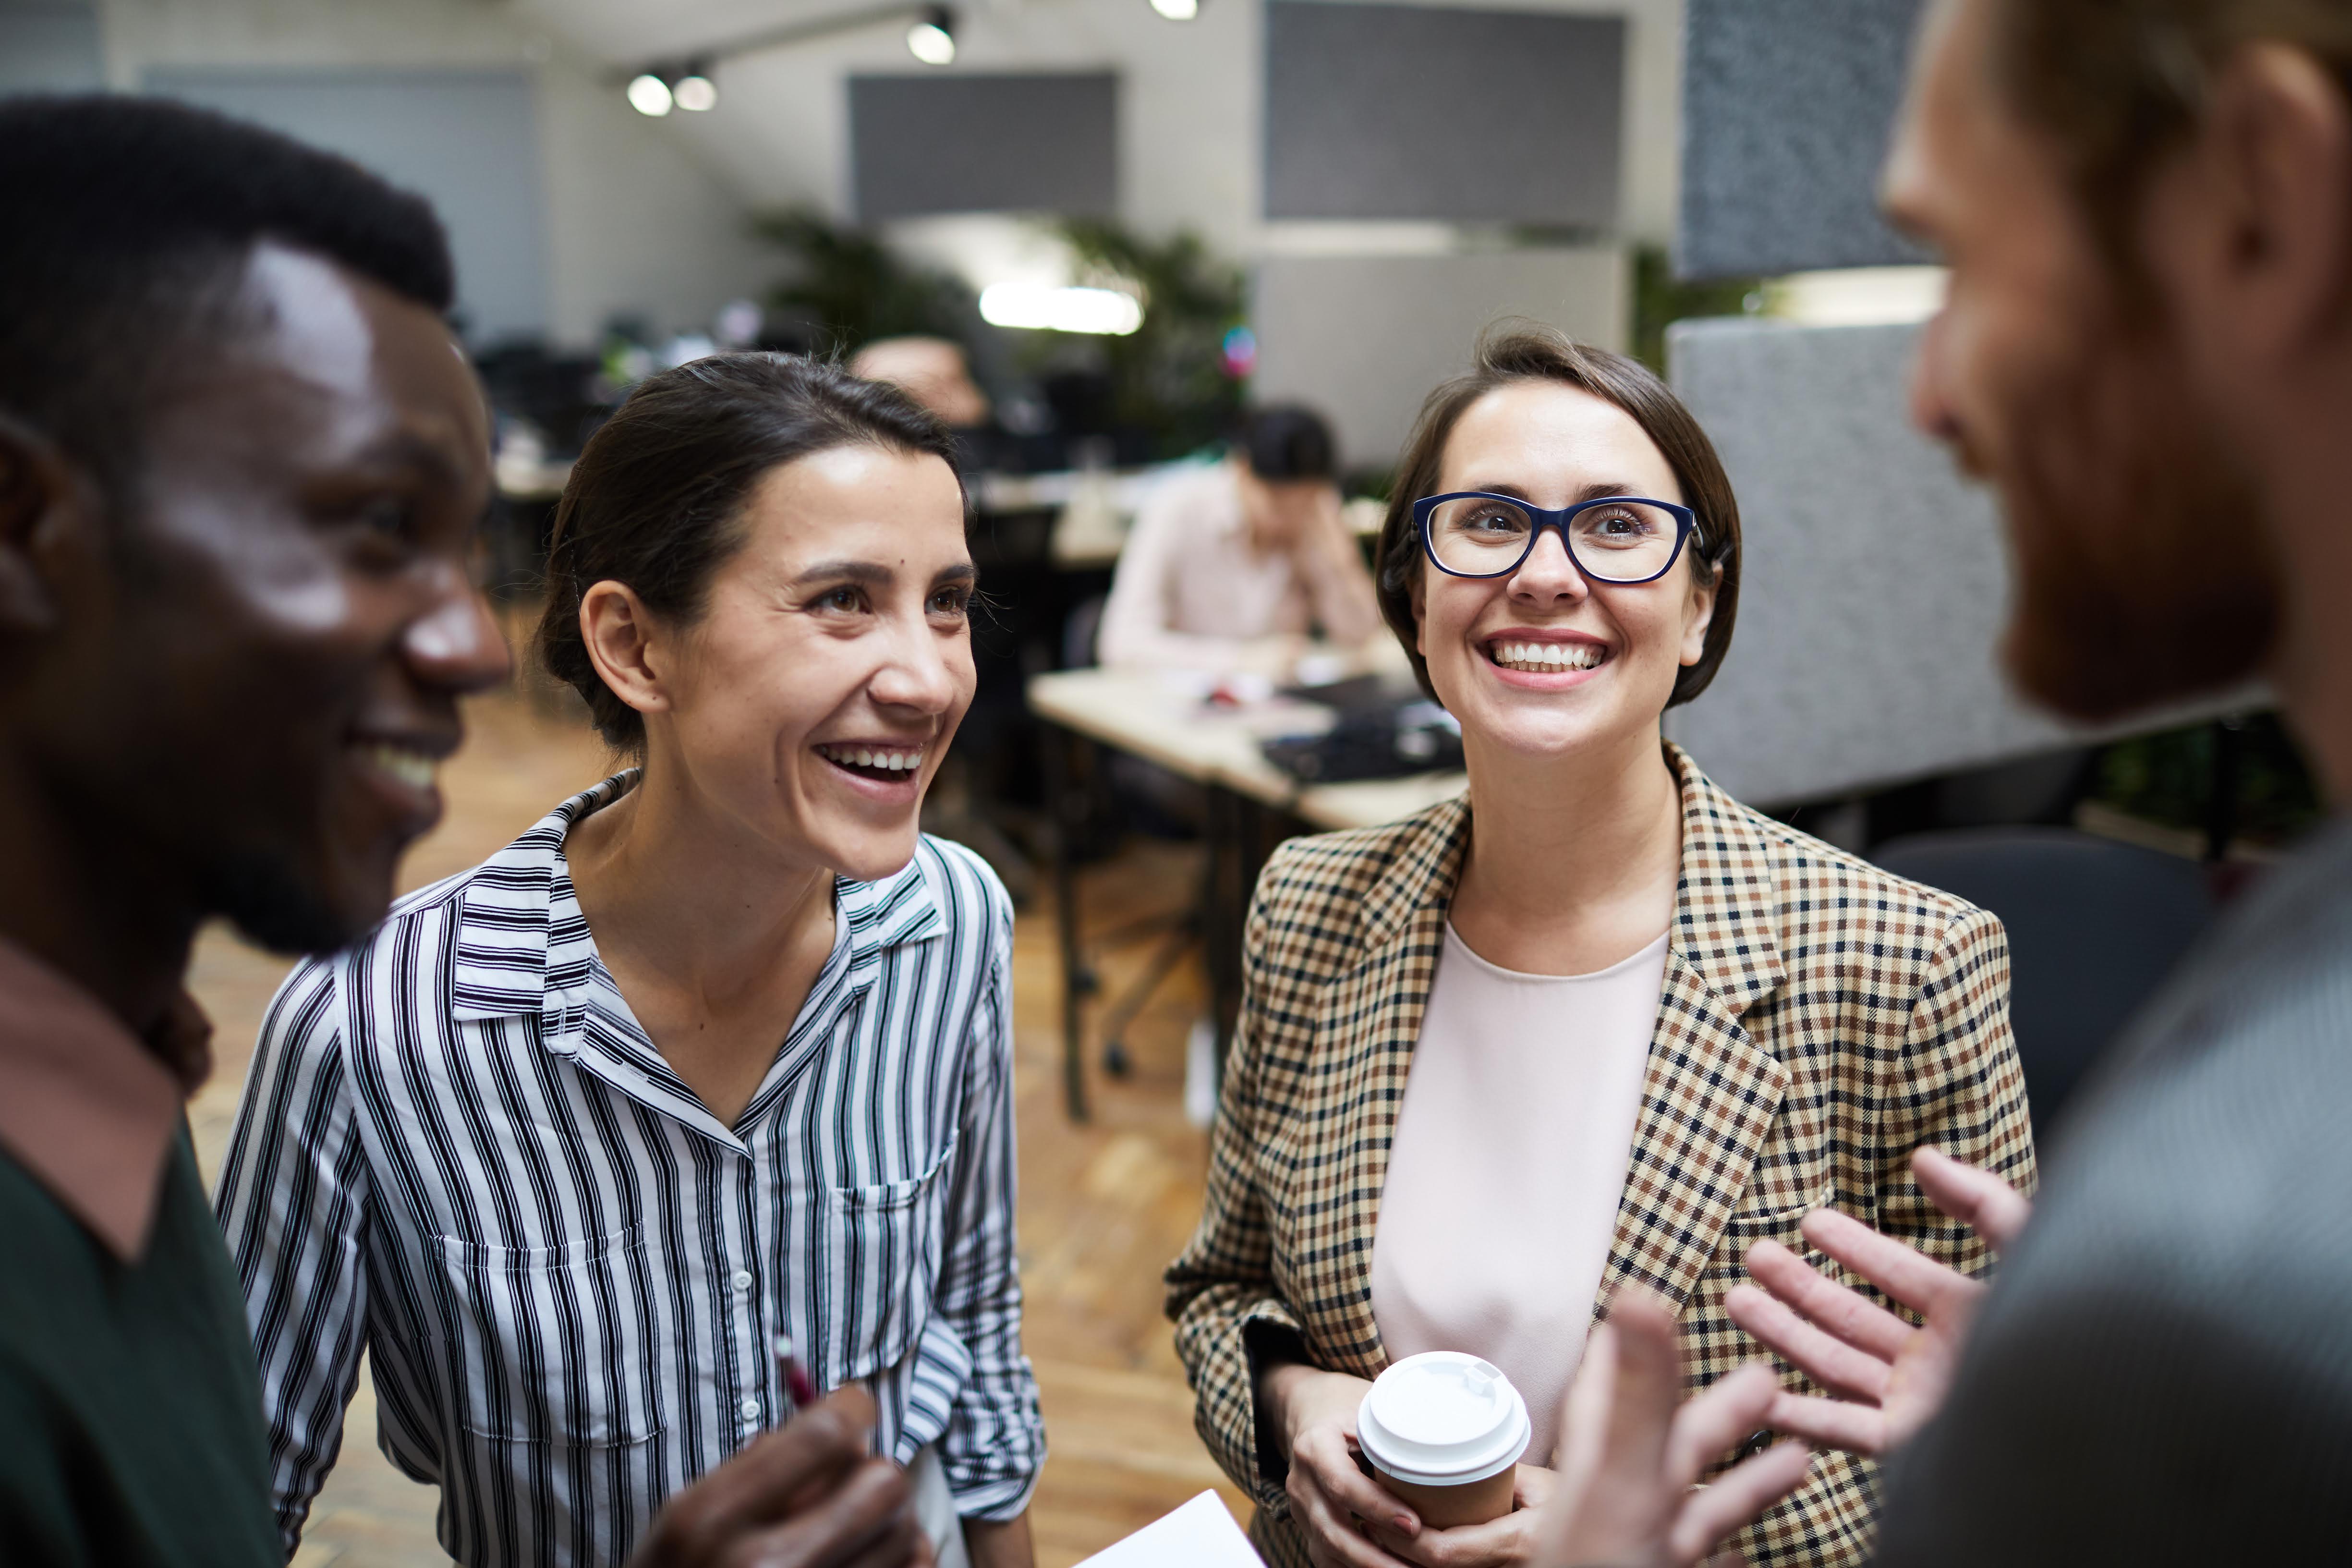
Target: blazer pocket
(1778, 1221)
(883, 1246)
(550, 1343)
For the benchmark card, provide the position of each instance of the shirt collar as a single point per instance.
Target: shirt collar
(87, 1108)
(513, 956)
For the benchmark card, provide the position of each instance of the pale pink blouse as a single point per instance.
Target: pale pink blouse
(1506, 1164)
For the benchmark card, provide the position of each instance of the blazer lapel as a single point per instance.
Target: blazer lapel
(1366, 1026)
(1711, 1093)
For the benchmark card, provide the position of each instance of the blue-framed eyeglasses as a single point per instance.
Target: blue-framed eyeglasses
(1617, 538)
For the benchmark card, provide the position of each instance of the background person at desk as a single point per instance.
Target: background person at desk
(1595, 1026)
(1230, 569)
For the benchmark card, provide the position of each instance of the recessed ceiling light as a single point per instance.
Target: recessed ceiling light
(696, 92)
(1177, 10)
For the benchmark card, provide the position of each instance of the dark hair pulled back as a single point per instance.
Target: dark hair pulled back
(655, 502)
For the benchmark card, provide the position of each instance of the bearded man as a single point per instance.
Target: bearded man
(2147, 208)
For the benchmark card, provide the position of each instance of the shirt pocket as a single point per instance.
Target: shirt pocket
(884, 1245)
(551, 1342)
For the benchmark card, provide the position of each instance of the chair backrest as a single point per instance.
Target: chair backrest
(1081, 630)
(2093, 928)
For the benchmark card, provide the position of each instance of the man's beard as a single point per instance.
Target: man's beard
(270, 900)
(2144, 560)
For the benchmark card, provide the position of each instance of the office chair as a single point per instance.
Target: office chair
(2094, 926)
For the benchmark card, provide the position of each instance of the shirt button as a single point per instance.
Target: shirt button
(750, 1409)
(741, 1280)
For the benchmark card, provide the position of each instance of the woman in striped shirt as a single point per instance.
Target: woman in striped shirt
(719, 1053)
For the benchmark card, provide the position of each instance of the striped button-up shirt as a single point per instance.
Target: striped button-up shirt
(458, 1147)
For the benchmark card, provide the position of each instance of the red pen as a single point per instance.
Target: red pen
(798, 1385)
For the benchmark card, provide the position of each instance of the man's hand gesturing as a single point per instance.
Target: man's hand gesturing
(1632, 1451)
(1888, 1377)
(806, 1495)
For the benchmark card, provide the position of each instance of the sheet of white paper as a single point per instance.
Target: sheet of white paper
(1200, 1534)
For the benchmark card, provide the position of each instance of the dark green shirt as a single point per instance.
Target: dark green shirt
(131, 1429)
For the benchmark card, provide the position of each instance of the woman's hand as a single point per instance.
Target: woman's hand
(1315, 1413)
(1888, 1377)
(1503, 1542)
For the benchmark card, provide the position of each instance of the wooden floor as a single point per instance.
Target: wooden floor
(1103, 1207)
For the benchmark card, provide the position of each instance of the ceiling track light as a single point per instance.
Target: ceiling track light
(649, 94)
(696, 92)
(655, 89)
(932, 38)
(1177, 10)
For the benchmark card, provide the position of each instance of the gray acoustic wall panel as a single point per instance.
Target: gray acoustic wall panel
(1401, 111)
(1876, 583)
(49, 46)
(1364, 339)
(1786, 108)
(1033, 144)
(468, 140)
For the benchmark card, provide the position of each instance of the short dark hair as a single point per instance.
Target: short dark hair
(655, 501)
(1284, 441)
(2117, 86)
(1513, 352)
(128, 222)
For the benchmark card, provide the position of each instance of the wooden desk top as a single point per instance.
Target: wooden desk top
(1148, 717)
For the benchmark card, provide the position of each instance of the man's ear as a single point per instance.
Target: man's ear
(626, 646)
(43, 498)
(2263, 202)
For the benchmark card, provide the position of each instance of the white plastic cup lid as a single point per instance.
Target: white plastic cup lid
(1443, 1419)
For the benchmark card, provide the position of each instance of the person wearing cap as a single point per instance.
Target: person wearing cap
(1594, 1027)
(1233, 567)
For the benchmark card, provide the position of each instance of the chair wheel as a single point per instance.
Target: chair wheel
(1115, 1059)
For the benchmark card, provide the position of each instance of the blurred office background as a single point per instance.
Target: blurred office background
(1135, 217)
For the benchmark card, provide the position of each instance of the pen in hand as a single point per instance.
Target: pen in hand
(798, 1385)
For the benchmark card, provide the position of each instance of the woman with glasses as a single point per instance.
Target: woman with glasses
(1593, 1025)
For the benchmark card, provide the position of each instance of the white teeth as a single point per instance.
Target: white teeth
(412, 768)
(1547, 656)
(868, 757)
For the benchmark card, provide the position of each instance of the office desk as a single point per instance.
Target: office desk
(1147, 717)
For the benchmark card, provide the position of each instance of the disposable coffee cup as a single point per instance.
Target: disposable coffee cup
(1445, 1431)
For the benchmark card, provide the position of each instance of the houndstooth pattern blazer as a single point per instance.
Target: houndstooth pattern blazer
(1820, 1020)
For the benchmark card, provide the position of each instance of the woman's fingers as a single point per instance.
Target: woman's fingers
(1830, 1423)
(1333, 1534)
(1973, 1196)
(1902, 1272)
(1735, 1500)
(1826, 1358)
(1831, 1307)
(1335, 1475)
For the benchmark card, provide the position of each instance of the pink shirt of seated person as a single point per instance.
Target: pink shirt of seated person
(1192, 592)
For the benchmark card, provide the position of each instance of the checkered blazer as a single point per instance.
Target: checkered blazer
(1820, 1020)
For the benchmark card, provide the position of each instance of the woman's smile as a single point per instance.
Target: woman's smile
(886, 771)
(1543, 660)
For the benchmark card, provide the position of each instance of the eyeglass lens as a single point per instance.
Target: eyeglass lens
(1616, 541)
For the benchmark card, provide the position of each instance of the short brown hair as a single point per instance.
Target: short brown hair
(656, 499)
(2117, 85)
(1529, 350)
